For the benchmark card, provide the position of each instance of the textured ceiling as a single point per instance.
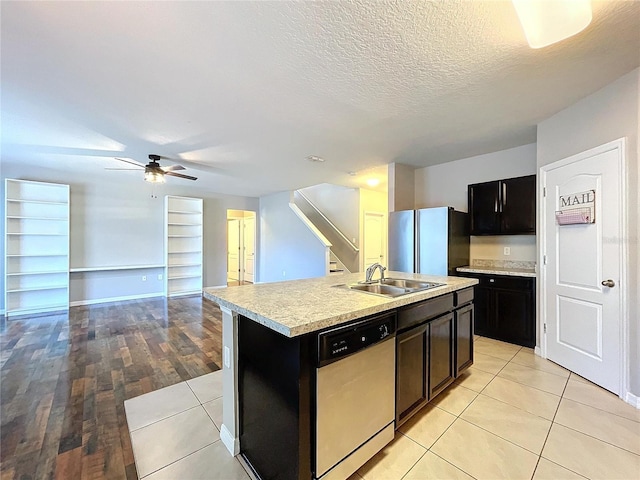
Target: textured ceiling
(242, 92)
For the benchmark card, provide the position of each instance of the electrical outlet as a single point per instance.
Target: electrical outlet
(507, 251)
(144, 278)
(159, 276)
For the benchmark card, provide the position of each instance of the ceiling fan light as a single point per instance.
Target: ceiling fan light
(548, 21)
(154, 177)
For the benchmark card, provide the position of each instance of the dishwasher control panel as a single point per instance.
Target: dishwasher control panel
(344, 341)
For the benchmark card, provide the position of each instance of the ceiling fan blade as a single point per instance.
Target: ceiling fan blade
(171, 168)
(133, 162)
(132, 169)
(188, 177)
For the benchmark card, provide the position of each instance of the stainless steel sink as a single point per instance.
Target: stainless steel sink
(412, 284)
(377, 288)
(392, 287)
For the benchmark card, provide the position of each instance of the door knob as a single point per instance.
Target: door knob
(608, 283)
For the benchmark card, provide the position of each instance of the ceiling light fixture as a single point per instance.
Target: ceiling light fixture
(373, 182)
(315, 158)
(545, 22)
(153, 177)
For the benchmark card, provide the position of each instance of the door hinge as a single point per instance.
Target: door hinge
(545, 328)
(544, 259)
(544, 191)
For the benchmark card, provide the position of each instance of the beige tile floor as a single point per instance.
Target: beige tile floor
(512, 415)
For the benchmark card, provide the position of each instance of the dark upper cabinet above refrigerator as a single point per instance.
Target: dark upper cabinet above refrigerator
(503, 207)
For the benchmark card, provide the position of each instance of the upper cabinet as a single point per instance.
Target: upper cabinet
(503, 207)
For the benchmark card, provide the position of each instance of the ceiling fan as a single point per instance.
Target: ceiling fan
(153, 172)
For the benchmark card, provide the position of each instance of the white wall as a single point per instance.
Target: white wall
(288, 249)
(446, 185)
(606, 115)
(340, 205)
(114, 222)
(401, 187)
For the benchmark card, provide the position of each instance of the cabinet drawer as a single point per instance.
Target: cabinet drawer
(464, 296)
(510, 282)
(415, 314)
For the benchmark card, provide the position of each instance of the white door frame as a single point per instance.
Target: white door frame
(619, 144)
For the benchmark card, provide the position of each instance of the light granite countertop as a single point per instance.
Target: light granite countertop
(297, 307)
(511, 271)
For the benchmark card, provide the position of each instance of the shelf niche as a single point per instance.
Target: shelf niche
(183, 245)
(36, 264)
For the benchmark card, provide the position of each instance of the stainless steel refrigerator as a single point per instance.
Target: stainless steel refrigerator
(432, 241)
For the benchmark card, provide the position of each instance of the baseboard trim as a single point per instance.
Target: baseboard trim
(538, 351)
(216, 286)
(632, 400)
(115, 299)
(232, 444)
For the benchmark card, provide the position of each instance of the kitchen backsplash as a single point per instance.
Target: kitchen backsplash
(504, 247)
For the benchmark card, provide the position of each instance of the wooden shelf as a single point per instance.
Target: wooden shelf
(42, 202)
(184, 276)
(36, 289)
(44, 272)
(25, 217)
(176, 265)
(39, 234)
(114, 267)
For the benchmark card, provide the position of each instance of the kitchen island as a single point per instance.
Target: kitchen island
(270, 350)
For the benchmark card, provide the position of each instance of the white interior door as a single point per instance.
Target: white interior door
(233, 249)
(374, 238)
(582, 275)
(249, 248)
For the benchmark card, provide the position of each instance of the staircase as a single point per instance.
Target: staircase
(344, 256)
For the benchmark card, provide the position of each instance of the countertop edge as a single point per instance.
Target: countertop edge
(332, 321)
(498, 271)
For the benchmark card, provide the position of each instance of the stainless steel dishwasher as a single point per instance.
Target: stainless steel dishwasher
(355, 405)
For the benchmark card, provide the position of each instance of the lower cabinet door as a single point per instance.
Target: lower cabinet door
(464, 338)
(412, 350)
(483, 324)
(440, 353)
(514, 314)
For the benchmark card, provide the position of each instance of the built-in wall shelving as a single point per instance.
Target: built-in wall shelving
(183, 245)
(36, 264)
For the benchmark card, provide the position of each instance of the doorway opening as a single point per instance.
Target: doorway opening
(241, 247)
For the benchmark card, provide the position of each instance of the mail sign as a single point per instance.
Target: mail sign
(580, 199)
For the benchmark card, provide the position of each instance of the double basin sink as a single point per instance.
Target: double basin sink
(393, 287)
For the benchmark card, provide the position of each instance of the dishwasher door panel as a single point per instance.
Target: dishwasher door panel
(355, 400)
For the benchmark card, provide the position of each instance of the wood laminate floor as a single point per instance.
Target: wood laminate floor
(65, 378)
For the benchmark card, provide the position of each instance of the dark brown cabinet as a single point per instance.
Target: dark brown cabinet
(434, 343)
(464, 338)
(505, 308)
(441, 346)
(503, 207)
(412, 354)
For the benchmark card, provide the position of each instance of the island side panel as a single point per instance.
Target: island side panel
(229, 432)
(275, 383)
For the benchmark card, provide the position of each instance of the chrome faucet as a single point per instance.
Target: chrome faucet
(372, 269)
